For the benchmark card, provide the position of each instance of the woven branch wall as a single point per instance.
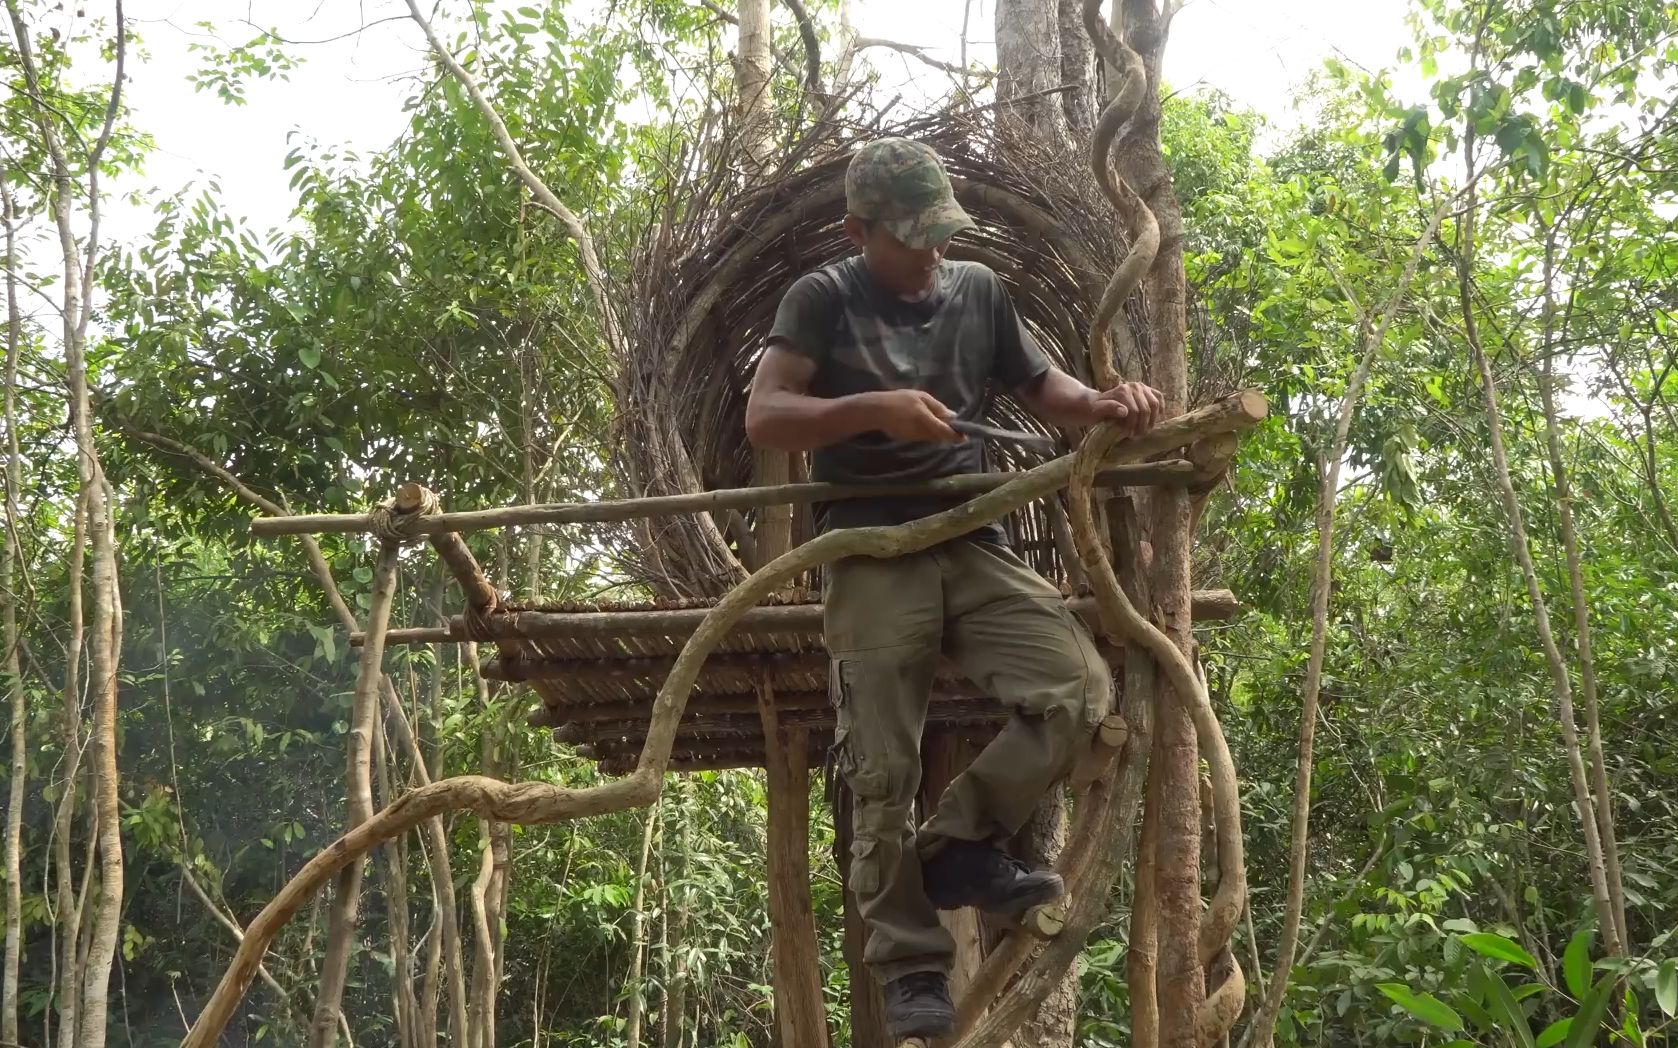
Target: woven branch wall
(710, 276)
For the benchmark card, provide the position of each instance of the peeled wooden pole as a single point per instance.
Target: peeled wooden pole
(1207, 605)
(1169, 471)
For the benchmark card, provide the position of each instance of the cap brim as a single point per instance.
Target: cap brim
(932, 227)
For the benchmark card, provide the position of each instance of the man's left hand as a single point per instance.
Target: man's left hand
(1135, 406)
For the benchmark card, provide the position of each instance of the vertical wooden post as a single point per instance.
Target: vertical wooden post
(944, 755)
(869, 1028)
(797, 960)
(774, 526)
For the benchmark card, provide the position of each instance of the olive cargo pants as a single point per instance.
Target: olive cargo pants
(1010, 632)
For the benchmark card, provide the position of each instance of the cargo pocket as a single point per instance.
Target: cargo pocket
(859, 761)
(865, 866)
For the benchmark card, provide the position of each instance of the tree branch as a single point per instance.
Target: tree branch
(919, 53)
(592, 270)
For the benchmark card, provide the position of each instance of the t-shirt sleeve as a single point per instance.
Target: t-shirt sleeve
(1019, 360)
(807, 317)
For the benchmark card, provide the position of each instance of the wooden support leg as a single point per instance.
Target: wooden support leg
(797, 968)
(869, 1028)
(943, 757)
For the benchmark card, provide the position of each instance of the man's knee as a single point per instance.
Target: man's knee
(1075, 685)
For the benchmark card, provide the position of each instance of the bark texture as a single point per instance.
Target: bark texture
(13, 664)
(1028, 64)
(79, 255)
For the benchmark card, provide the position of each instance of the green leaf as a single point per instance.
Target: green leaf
(1423, 1006)
(1553, 1033)
(1666, 987)
(1576, 963)
(310, 356)
(1502, 1005)
(1498, 948)
(1589, 1020)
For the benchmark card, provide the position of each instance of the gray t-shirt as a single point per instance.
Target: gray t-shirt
(958, 344)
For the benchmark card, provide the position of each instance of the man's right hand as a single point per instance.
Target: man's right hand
(910, 415)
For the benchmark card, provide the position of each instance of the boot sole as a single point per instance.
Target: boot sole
(923, 1025)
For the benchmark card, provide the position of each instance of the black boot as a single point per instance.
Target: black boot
(918, 1005)
(972, 873)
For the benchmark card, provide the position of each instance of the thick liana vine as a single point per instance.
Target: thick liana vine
(1119, 619)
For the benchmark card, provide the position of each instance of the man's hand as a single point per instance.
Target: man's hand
(911, 415)
(1136, 406)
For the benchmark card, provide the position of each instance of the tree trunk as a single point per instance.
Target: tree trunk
(102, 672)
(680, 900)
(1181, 985)
(341, 921)
(1561, 683)
(1041, 45)
(638, 933)
(1581, 612)
(14, 667)
(1040, 844)
(1142, 952)
(68, 908)
(89, 1028)
(797, 953)
(1028, 63)
(404, 1002)
(1077, 70)
(751, 72)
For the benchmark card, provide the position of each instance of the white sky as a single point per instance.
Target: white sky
(350, 92)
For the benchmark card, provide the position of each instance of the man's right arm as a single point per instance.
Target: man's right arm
(781, 415)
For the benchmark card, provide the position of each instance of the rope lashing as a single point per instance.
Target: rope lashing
(476, 621)
(398, 526)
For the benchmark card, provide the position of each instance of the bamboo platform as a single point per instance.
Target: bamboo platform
(596, 669)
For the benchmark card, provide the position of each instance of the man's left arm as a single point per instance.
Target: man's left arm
(1061, 400)
(1050, 393)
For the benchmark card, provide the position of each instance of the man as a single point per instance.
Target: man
(868, 361)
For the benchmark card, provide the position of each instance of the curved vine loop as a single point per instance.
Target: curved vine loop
(1119, 619)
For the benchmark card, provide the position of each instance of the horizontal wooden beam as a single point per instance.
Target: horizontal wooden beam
(1172, 472)
(613, 671)
(1214, 605)
(726, 730)
(724, 719)
(545, 716)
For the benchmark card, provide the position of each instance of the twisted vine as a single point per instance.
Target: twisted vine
(1119, 619)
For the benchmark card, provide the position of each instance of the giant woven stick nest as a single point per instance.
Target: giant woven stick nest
(710, 273)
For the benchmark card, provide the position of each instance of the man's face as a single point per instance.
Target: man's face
(901, 269)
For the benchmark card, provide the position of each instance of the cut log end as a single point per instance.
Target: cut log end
(410, 497)
(1252, 404)
(1046, 921)
(545, 716)
(1109, 740)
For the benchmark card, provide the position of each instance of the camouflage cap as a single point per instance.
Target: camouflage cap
(902, 184)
